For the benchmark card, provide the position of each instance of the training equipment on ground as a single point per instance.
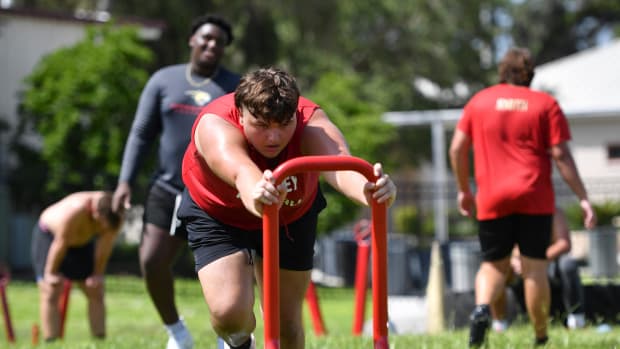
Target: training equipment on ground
(8, 325)
(271, 248)
(63, 304)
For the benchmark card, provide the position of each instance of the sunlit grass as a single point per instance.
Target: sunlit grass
(133, 323)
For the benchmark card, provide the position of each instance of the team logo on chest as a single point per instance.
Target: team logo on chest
(200, 98)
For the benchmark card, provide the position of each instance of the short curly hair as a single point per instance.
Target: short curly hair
(516, 67)
(213, 19)
(268, 93)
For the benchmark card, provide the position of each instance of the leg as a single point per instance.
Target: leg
(572, 291)
(96, 308)
(48, 308)
(491, 280)
(537, 294)
(490, 283)
(228, 288)
(157, 253)
(293, 286)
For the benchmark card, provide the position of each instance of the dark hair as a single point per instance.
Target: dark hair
(104, 208)
(213, 19)
(516, 67)
(268, 93)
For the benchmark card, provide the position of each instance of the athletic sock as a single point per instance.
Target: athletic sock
(246, 345)
(176, 328)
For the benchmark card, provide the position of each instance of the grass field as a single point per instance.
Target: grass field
(133, 323)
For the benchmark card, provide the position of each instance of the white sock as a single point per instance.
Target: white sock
(500, 325)
(176, 328)
(576, 320)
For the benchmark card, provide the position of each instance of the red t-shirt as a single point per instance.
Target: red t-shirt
(220, 200)
(512, 128)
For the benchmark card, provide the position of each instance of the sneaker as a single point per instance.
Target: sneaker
(575, 321)
(479, 324)
(223, 345)
(499, 325)
(182, 340)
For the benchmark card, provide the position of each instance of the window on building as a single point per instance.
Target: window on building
(613, 152)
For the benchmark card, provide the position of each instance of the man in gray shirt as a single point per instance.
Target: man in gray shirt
(169, 103)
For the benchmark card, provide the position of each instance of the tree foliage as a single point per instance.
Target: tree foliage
(345, 100)
(80, 100)
(356, 58)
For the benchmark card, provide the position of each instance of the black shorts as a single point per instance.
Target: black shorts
(532, 233)
(78, 264)
(159, 209)
(211, 240)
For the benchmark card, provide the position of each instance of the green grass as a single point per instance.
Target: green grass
(133, 324)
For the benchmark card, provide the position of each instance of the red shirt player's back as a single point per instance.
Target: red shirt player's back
(512, 128)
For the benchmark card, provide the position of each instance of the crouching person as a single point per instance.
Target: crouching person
(73, 239)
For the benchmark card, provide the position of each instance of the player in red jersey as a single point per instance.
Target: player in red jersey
(237, 141)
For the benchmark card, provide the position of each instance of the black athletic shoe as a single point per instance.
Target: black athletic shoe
(480, 320)
(541, 342)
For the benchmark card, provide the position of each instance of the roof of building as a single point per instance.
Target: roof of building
(586, 85)
(584, 82)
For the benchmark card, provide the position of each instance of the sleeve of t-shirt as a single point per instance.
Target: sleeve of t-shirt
(223, 107)
(144, 130)
(559, 130)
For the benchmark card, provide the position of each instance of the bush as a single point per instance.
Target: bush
(605, 212)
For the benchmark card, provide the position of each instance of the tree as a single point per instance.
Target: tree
(80, 100)
(556, 28)
(360, 121)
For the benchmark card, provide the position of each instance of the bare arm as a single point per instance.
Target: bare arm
(560, 236)
(55, 255)
(103, 249)
(459, 160)
(224, 149)
(566, 166)
(322, 137)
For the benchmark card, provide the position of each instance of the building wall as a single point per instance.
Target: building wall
(589, 145)
(24, 40)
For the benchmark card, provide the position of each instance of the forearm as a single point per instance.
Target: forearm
(557, 249)
(459, 160)
(349, 183)
(460, 167)
(245, 182)
(103, 250)
(144, 130)
(55, 255)
(568, 170)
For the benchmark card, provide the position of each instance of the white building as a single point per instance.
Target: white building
(25, 37)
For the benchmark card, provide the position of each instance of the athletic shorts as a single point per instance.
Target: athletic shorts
(211, 240)
(532, 233)
(159, 210)
(78, 264)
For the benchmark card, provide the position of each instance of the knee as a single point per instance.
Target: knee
(231, 318)
(94, 293)
(50, 293)
(151, 264)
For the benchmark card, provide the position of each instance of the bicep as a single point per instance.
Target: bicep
(223, 147)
